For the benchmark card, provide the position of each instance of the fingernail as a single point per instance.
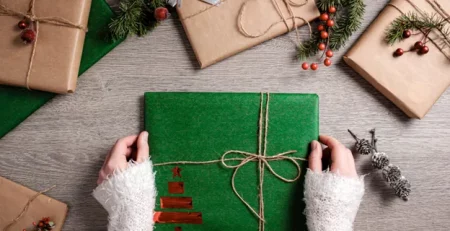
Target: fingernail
(314, 145)
(145, 134)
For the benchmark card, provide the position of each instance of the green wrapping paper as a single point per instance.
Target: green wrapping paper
(203, 126)
(16, 104)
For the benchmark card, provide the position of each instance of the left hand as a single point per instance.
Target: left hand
(131, 147)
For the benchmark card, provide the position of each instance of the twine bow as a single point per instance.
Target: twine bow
(31, 16)
(247, 157)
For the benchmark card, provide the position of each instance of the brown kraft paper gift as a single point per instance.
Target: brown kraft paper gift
(13, 199)
(214, 31)
(58, 48)
(413, 82)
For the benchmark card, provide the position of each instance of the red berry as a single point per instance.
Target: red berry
(329, 53)
(327, 62)
(324, 17)
(22, 24)
(28, 36)
(324, 34)
(305, 66)
(407, 33)
(161, 13)
(314, 66)
(322, 46)
(398, 52)
(424, 50)
(320, 27)
(332, 9)
(418, 45)
(330, 23)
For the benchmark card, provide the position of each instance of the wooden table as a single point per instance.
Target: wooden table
(65, 142)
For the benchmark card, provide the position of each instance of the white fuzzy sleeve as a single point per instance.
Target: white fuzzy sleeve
(129, 198)
(332, 201)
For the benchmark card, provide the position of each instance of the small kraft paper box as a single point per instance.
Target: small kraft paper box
(219, 137)
(413, 82)
(51, 62)
(219, 31)
(13, 205)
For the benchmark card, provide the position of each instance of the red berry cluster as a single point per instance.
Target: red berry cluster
(45, 224)
(419, 46)
(326, 23)
(28, 34)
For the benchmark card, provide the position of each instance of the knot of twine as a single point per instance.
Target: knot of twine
(440, 10)
(247, 157)
(289, 4)
(30, 15)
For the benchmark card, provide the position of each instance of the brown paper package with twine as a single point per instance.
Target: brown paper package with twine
(218, 32)
(52, 63)
(21, 206)
(412, 82)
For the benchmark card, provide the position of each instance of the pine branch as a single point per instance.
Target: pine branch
(324, 5)
(134, 18)
(413, 21)
(309, 47)
(347, 24)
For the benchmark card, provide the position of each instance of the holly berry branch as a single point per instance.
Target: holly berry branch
(403, 27)
(339, 20)
(137, 17)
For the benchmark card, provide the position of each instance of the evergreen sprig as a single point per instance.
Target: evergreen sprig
(135, 17)
(348, 19)
(413, 21)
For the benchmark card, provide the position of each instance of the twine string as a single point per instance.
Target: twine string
(441, 49)
(25, 208)
(31, 16)
(229, 157)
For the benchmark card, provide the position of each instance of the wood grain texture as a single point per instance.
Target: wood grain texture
(65, 142)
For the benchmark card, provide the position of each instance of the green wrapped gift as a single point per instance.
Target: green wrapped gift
(16, 104)
(212, 152)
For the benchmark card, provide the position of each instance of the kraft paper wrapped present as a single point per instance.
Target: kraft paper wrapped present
(203, 127)
(58, 48)
(13, 200)
(412, 82)
(218, 31)
(18, 103)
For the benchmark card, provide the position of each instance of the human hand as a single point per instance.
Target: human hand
(131, 147)
(342, 161)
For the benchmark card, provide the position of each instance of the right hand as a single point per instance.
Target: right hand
(340, 157)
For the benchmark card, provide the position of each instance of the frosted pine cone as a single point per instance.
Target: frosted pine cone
(402, 188)
(391, 173)
(363, 147)
(380, 160)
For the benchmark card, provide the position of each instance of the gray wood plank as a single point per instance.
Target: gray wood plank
(65, 142)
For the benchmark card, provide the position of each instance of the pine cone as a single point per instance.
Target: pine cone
(363, 147)
(380, 160)
(391, 173)
(402, 188)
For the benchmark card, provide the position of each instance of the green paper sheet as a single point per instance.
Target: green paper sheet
(16, 104)
(202, 126)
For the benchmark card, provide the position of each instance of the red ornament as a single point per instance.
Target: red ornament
(424, 50)
(314, 66)
(329, 53)
(418, 45)
(320, 27)
(324, 17)
(305, 66)
(161, 13)
(22, 24)
(330, 23)
(407, 33)
(332, 9)
(398, 52)
(327, 62)
(322, 46)
(324, 34)
(28, 36)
